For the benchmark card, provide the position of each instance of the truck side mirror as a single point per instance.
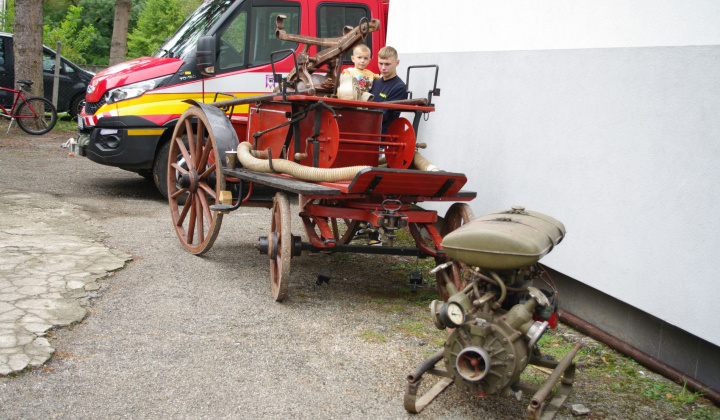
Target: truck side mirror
(205, 54)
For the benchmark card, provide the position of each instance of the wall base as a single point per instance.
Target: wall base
(682, 351)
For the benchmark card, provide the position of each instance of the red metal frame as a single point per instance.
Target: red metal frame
(349, 136)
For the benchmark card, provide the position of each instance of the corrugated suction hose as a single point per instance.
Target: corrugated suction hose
(308, 173)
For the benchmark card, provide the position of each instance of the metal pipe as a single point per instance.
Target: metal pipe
(639, 356)
(257, 98)
(547, 386)
(425, 366)
(503, 290)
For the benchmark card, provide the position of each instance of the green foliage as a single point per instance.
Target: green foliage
(159, 20)
(7, 16)
(74, 36)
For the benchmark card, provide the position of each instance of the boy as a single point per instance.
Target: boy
(361, 58)
(390, 87)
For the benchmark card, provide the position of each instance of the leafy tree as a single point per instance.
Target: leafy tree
(74, 36)
(158, 21)
(7, 16)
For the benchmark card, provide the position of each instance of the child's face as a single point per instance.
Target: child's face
(360, 59)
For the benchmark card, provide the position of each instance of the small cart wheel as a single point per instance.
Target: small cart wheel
(344, 232)
(457, 215)
(194, 182)
(279, 247)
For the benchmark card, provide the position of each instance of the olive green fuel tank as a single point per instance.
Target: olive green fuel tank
(504, 240)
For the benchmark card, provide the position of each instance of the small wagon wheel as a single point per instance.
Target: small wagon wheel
(196, 179)
(344, 235)
(457, 215)
(343, 230)
(279, 246)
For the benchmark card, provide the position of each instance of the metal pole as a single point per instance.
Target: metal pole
(56, 78)
(639, 356)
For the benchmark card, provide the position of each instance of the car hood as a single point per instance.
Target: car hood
(137, 70)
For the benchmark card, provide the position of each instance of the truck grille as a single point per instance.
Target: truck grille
(92, 107)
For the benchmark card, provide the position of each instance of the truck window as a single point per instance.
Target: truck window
(333, 17)
(232, 44)
(185, 39)
(263, 32)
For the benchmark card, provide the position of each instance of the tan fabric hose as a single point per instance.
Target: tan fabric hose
(308, 173)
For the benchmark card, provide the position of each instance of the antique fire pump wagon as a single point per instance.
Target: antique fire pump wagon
(317, 138)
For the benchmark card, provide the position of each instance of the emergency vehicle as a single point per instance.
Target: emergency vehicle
(132, 108)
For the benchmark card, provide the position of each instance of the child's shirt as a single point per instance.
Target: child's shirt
(365, 77)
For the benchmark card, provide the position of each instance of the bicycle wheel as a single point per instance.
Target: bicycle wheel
(40, 121)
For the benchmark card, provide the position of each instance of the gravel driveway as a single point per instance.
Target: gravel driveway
(201, 337)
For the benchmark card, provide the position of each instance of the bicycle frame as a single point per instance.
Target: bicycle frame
(11, 115)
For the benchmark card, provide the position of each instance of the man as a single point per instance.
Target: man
(389, 87)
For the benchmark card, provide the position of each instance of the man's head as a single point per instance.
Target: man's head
(361, 56)
(388, 62)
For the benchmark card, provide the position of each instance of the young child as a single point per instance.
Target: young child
(361, 58)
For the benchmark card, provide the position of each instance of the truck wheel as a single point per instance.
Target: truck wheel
(159, 170)
(76, 105)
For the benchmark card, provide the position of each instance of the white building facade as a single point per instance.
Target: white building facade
(606, 116)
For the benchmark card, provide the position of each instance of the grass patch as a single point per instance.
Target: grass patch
(371, 336)
(66, 123)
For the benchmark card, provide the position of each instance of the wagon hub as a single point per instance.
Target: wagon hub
(189, 180)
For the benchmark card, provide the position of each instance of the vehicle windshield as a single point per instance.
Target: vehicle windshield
(185, 39)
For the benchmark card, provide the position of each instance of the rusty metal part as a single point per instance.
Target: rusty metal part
(411, 402)
(537, 408)
(252, 99)
(639, 356)
(330, 57)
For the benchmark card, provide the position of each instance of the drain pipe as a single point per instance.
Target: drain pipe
(641, 357)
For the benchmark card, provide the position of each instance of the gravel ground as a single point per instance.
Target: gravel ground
(180, 336)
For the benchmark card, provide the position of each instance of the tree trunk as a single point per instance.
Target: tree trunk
(27, 43)
(118, 46)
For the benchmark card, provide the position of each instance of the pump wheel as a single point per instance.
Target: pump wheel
(279, 246)
(198, 176)
(457, 215)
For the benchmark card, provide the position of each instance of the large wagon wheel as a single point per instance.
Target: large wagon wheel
(279, 247)
(457, 215)
(197, 175)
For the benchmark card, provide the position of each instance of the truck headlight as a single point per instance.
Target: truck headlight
(134, 90)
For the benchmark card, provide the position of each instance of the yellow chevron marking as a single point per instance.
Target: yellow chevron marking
(147, 132)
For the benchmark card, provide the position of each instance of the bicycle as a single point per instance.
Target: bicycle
(35, 115)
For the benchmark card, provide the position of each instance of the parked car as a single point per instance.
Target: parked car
(73, 79)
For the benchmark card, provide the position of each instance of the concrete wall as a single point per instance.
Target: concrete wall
(601, 114)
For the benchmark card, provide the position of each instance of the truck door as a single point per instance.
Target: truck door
(244, 43)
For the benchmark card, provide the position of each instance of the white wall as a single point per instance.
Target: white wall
(605, 115)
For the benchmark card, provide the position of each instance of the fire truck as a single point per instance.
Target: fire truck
(132, 108)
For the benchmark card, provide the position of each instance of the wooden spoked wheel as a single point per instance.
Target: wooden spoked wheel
(344, 230)
(280, 246)
(195, 180)
(457, 215)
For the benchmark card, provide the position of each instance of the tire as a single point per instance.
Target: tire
(159, 170)
(43, 118)
(76, 105)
